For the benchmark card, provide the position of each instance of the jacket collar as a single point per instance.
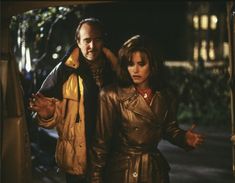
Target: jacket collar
(134, 102)
(72, 60)
(126, 93)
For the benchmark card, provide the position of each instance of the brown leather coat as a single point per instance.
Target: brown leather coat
(127, 134)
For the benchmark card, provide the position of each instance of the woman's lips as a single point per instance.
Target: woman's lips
(136, 77)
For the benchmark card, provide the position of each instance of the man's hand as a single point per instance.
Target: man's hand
(44, 106)
(194, 139)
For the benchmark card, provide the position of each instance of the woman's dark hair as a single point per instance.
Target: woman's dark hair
(144, 45)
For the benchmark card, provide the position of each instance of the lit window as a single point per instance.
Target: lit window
(204, 22)
(196, 22)
(211, 51)
(225, 50)
(195, 52)
(214, 21)
(203, 51)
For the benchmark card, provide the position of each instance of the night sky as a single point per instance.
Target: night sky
(164, 22)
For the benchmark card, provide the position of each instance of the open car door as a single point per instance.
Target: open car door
(15, 162)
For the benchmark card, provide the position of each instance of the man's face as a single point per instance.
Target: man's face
(90, 42)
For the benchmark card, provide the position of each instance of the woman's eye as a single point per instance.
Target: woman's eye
(142, 63)
(130, 64)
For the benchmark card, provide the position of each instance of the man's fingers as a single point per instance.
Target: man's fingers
(202, 137)
(40, 95)
(39, 103)
(192, 127)
(34, 108)
(200, 141)
(30, 100)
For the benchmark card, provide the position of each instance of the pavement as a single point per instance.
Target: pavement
(210, 163)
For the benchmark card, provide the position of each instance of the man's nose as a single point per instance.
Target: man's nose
(92, 44)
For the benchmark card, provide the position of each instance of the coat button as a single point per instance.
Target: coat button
(135, 174)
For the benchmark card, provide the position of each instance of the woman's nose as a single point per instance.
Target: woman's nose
(135, 69)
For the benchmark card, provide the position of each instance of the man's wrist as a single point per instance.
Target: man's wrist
(48, 118)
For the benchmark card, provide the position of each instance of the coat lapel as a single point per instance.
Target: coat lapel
(159, 106)
(134, 102)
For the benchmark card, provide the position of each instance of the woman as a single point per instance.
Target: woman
(133, 117)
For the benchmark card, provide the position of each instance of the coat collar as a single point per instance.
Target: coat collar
(134, 102)
(126, 93)
(72, 60)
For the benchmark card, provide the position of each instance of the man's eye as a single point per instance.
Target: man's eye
(86, 41)
(98, 39)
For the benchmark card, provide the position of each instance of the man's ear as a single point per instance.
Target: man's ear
(78, 43)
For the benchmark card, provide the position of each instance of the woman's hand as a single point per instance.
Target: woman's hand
(44, 106)
(194, 139)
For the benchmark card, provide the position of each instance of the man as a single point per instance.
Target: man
(71, 94)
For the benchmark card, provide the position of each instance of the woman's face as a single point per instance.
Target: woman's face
(139, 69)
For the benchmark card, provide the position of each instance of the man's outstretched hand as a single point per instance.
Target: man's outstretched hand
(44, 106)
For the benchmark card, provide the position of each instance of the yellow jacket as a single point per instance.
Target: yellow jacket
(71, 149)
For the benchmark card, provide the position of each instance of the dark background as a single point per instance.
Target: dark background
(203, 92)
(163, 22)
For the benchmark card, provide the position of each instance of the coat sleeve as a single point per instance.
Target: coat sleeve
(53, 84)
(171, 130)
(101, 144)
